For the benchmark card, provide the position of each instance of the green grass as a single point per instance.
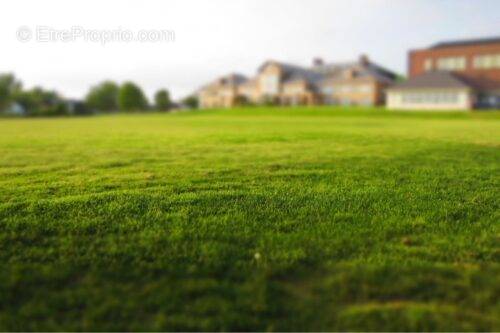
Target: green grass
(253, 219)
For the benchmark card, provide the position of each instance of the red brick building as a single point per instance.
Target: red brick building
(476, 63)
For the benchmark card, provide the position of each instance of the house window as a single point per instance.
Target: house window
(328, 90)
(295, 90)
(430, 98)
(270, 83)
(451, 63)
(365, 88)
(428, 64)
(487, 61)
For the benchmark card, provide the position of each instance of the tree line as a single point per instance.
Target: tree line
(105, 97)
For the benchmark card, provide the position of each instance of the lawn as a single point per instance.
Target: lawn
(252, 219)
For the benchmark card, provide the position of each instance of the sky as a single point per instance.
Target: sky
(206, 39)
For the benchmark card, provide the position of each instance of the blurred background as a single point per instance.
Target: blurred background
(217, 37)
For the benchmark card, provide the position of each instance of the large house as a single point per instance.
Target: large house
(356, 83)
(223, 92)
(458, 75)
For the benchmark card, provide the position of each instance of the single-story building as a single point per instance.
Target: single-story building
(439, 90)
(451, 75)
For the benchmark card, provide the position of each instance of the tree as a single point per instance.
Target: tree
(131, 97)
(103, 97)
(39, 102)
(78, 108)
(162, 100)
(9, 86)
(191, 102)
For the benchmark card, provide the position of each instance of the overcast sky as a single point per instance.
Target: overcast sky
(220, 36)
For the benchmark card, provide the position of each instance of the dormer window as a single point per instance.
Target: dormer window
(270, 84)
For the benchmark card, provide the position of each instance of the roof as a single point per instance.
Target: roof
(294, 72)
(335, 71)
(467, 42)
(233, 79)
(249, 82)
(302, 74)
(317, 74)
(437, 79)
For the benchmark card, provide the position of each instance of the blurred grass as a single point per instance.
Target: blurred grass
(251, 219)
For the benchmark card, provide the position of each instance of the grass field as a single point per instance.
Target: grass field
(253, 219)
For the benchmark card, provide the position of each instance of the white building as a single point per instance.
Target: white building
(432, 91)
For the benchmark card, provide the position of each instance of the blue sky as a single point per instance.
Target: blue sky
(220, 36)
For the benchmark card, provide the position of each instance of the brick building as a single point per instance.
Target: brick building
(360, 82)
(467, 75)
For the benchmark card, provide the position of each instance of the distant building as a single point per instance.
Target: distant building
(222, 92)
(457, 75)
(356, 83)
(15, 109)
(432, 91)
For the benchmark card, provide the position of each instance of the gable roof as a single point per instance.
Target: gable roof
(250, 82)
(293, 72)
(437, 79)
(369, 69)
(317, 74)
(466, 42)
(230, 80)
(305, 74)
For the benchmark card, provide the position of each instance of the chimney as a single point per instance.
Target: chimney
(317, 62)
(363, 60)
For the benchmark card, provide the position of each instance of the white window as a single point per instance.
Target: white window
(365, 88)
(430, 98)
(448, 97)
(225, 92)
(428, 65)
(270, 84)
(294, 89)
(327, 90)
(451, 63)
(487, 61)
